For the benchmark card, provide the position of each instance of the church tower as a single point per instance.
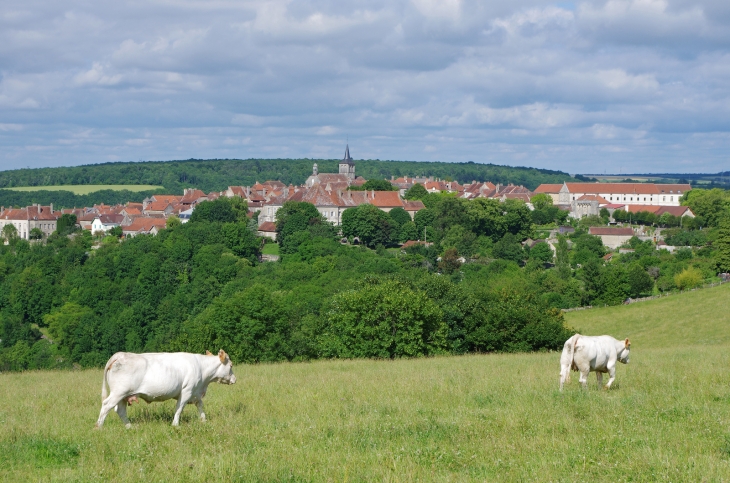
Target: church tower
(347, 165)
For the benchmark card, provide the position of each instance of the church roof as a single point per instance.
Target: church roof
(347, 159)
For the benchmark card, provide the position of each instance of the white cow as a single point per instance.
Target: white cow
(159, 377)
(585, 354)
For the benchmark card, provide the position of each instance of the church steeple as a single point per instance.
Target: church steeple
(347, 159)
(347, 165)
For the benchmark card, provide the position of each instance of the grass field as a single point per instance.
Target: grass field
(84, 189)
(270, 249)
(472, 418)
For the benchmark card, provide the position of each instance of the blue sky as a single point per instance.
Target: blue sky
(584, 87)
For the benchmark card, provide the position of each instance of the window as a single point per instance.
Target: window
(671, 198)
(664, 198)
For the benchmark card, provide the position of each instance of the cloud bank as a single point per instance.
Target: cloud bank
(586, 87)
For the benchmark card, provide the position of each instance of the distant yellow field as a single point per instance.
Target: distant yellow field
(84, 189)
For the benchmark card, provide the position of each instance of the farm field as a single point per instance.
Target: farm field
(471, 418)
(84, 189)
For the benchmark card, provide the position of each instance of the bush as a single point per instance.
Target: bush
(688, 279)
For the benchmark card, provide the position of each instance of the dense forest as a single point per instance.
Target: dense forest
(67, 199)
(73, 300)
(218, 174)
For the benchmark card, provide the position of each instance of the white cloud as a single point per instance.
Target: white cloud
(527, 81)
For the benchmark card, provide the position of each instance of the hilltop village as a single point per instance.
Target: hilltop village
(333, 193)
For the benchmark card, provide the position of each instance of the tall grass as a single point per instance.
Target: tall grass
(472, 418)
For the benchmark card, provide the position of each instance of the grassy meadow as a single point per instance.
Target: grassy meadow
(472, 418)
(85, 189)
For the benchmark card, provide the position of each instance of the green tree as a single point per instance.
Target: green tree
(485, 217)
(517, 219)
(66, 224)
(416, 192)
(172, 222)
(36, 234)
(541, 201)
(369, 223)
(400, 216)
(640, 281)
(542, 252)
(293, 217)
(375, 185)
(116, 231)
(408, 231)
(460, 238)
(562, 259)
(449, 261)
(712, 205)
(384, 320)
(722, 243)
(10, 233)
(222, 210)
(509, 248)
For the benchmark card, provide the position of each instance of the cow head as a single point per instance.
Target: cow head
(224, 373)
(623, 356)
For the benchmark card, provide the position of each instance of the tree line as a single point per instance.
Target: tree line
(218, 174)
(67, 300)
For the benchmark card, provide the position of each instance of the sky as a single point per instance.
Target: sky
(617, 86)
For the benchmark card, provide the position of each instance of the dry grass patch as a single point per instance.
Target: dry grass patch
(85, 189)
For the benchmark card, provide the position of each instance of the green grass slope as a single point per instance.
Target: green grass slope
(699, 317)
(452, 419)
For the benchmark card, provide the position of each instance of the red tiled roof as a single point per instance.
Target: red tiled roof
(191, 196)
(268, 226)
(167, 198)
(548, 188)
(614, 188)
(616, 231)
(158, 206)
(638, 208)
(675, 211)
(416, 205)
(601, 200)
(673, 189)
(145, 224)
(384, 199)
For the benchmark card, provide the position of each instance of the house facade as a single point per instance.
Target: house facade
(26, 219)
(630, 193)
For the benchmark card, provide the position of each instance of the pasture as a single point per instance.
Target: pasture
(85, 189)
(472, 418)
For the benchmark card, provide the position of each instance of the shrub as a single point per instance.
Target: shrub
(689, 278)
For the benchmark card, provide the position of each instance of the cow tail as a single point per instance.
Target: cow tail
(572, 352)
(104, 381)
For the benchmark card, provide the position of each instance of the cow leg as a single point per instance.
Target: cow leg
(179, 408)
(612, 374)
(584, 378)
(564, 375)
(599, 378)
(106, 406)
(122, 412)
(199, 405)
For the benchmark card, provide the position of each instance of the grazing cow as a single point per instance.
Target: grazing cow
(159, 377)
(585, 354)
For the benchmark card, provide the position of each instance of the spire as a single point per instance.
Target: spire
(347, 153)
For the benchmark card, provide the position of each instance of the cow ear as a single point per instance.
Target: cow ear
(627, 344)
(208, 353)
(222, 356)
